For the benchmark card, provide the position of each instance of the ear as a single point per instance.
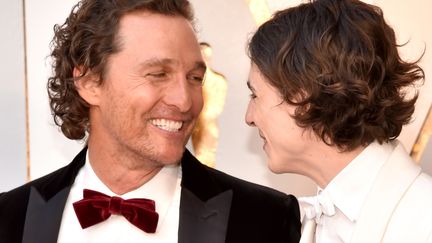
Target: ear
(88, 86)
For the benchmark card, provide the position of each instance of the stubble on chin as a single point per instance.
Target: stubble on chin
(160, 158)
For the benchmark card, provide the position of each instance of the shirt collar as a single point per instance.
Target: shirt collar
(349, 189)
(161, 188)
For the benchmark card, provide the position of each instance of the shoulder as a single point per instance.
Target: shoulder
(13, 208)
(246, 188)
(13, 204)
(257, 213)
(257, 197)
(420, 191)
(278, 213)
(412, 218)
(48, 185)
(275, 215)
(13, 201)
(207, 181)
(19, 195)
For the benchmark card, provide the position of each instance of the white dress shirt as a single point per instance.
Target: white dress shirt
(348, 191)
(164, 189)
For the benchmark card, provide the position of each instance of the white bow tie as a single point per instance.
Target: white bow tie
(315, 207)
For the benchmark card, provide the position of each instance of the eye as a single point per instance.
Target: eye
(198, 79)
(157, 74)
(252, 96)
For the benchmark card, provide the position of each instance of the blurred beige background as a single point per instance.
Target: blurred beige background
(26, 30)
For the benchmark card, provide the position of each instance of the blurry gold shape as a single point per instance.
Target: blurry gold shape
(423, 138)
(260, 10)
(26, 92)
(206, 132)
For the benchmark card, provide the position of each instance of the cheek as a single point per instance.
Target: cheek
(263, 117)
(197, 101)
(277, 126)
(144, 99)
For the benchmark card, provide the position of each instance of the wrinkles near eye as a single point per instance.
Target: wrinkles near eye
(196, 79)
(157, 75)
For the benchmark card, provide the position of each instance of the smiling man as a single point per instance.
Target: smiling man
(128, 79)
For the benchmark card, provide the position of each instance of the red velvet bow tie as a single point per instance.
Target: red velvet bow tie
(97, 207)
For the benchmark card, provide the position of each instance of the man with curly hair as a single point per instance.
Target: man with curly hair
(127, 78)
(330, 97)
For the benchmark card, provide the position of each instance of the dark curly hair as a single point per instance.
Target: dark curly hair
(85, 41)
(337, 61)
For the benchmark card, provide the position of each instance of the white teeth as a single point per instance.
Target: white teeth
(167, 125)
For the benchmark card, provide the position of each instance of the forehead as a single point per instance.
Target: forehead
(259, 83)
(153, 32)
(256, 78)
(146, 18)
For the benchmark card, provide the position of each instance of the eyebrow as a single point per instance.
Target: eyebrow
(199, 66)
(155, 62)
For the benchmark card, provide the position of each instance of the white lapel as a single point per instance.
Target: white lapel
(394, 178)
(308, 231)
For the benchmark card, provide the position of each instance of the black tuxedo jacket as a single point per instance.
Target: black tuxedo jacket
(214, 208)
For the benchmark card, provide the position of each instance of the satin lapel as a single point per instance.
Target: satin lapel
(46, 203)
(204, 221)
(308, 231)
(393, 180)
(204, 205)
(43, 218)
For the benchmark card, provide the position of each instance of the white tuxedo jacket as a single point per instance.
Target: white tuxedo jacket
(398, 207)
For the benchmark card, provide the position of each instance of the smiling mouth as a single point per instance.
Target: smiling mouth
(263, 138)
(167, 125)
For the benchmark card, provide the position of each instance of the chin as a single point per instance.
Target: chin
(172, 156)
(273, 167)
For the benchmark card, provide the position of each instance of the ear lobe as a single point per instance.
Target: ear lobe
(87, 85)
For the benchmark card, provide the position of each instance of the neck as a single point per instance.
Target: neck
(120, 171)
(327, 164)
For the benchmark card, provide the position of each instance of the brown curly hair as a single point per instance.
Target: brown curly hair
(337, 62)
(85, 41)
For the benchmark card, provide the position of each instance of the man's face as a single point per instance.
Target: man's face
(287, 145)
(151, 92)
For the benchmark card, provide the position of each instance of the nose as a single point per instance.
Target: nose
(249, 115)
(179, 95)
